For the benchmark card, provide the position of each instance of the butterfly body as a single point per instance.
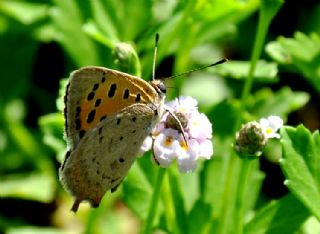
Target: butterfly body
(108, 115)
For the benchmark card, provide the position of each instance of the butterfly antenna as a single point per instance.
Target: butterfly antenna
(155, 57)
(198, 69)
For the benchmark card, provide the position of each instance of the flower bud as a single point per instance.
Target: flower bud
(127, 59)
(250, 140)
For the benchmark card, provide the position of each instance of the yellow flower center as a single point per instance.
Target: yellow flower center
(269, 131)
(183, 145)
(168, 141)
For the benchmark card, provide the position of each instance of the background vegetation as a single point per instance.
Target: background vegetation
(42, 41)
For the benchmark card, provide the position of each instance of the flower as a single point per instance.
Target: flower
(183, 135)
(253, 136)
(271, 125)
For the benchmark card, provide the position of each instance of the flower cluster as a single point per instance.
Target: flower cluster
(183, 134)
(253, 136)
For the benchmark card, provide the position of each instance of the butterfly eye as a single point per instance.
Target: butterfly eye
(162, 88)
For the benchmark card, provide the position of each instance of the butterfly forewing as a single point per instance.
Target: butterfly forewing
(97, 93)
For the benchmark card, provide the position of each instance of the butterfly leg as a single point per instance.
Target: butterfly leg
(76, 204)
(178, 122)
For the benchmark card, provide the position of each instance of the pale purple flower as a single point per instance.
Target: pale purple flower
(170, 144)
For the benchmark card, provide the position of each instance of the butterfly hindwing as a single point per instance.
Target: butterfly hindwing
(104, 155)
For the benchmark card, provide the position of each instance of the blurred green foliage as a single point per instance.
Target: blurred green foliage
(42, 41)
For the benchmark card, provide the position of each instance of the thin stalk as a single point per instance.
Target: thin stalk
(243, 181)
(268, 10)
(154, 201)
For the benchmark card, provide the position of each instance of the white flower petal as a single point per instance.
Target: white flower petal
(271, 125)
(164, 149)
(206, 149)
(146, 145)
(200, 127)
(187, 163)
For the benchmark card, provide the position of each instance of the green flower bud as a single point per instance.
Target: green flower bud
(250, 140)
(127, 59)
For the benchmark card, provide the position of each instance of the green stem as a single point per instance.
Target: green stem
(268, 10)
(154, 201)
(243, 181)
(167, 199)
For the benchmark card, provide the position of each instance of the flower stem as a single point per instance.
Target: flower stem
(241, 189)
(268, 10)
(154, 201)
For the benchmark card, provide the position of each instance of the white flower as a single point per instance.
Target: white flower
(165, 147)
(271, 125)
(185, 145)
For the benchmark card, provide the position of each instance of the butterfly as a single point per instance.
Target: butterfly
(108, 114)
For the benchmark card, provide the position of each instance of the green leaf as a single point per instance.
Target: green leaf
(36, 186)
(301, 51)
(264, 72)
(52, 126)
(104, 21)
(23, 11)
(208, 90)
(178, 200)
(301, 165)
(68, 21)
(34, 230)
(224, 124)
(198, 217)
(265, 102)
(137, 191)
(283, 216)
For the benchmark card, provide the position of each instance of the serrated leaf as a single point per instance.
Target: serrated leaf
(283, 216)
(302, 51)
(301, 165)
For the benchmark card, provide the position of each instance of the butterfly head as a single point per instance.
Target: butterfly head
(159, 86)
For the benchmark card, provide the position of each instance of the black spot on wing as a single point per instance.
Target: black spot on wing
(81, 133)
(103, 117)
(112, 90)
(98, 102)
(78, 111)
(90, 96)
(126, 94)
(138, 97)
(91, 116)
(78, 124)
(95, 87)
